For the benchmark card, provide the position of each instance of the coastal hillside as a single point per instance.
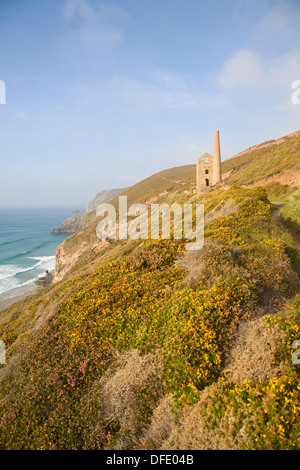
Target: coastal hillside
(277, 160)
(78, 221)
(277, 164)
(273, 161)
(81, 247)
(149, 346)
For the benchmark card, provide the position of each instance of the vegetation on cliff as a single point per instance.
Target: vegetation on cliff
(130, 352)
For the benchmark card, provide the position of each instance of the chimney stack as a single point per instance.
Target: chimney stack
(217, 172)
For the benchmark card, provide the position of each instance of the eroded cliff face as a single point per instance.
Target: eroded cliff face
(65, 260)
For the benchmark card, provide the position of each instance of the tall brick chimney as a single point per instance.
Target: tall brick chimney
(217, 173)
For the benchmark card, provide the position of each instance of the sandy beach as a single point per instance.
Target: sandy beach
(8, 302)
(39, 284)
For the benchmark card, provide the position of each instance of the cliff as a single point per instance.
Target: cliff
(139, 344)
(103, 197)
(78, 221)
(71, 225)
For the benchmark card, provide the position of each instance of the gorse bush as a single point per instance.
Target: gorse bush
(255, 416)
(250, 414)
(140, 302)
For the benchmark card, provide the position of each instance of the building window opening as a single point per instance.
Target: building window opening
(206, 172)
(207, 182)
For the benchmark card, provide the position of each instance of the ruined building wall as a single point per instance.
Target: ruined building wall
(204, 172)
(208, 168)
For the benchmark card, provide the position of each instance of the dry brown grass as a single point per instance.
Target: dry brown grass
(252, 357)
(130, 392)
(193, 433)
(191, 261)
(162, 422)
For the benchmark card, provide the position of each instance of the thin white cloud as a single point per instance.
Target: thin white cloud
(80, 8)
(155, 91)
(280, 24)
(245, 69)
(21, 114)
(268, 24)
(92, 26)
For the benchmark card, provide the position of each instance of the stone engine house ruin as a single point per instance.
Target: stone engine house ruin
(208, 168)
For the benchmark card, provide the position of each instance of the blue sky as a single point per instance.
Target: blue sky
(101, 94)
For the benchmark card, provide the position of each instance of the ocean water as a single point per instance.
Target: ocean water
(27, 247)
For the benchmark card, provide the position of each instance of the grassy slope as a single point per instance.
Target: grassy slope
(140, 303)
(168, 180)
(261, 163)
(120, 299)
(252, 166)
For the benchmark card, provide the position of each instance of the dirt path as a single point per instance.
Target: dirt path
(168, 179)
(276, 214)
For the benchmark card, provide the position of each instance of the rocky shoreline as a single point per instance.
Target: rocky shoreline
(71, 225)
(46, 280)
(40, 283)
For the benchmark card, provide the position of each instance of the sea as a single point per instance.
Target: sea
(27, 247)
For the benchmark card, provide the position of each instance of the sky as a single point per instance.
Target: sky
(101, 94)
